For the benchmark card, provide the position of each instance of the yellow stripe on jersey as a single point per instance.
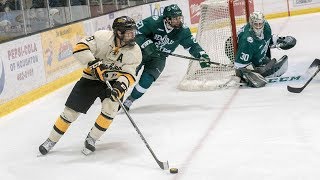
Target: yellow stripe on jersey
(62, 125)
(130, 78)
(80, 47)
(87, 70)
(103, 121)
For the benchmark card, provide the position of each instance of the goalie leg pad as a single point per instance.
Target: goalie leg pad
(252, 79)
(278, 69)
(268, 65)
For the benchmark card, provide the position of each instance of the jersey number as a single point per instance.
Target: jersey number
(244, 57)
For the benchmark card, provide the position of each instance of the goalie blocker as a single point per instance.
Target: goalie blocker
(256, 76)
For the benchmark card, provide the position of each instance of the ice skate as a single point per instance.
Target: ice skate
(89, 145)
(45, 147)
(128, 102)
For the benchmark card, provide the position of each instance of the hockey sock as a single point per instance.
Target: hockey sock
(59, 128)
(100, 126)
(145, 82)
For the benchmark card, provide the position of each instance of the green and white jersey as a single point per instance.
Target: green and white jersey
(251, 49)
(153, 30)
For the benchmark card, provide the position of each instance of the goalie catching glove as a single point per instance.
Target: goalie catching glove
(98, 69)
(204, 60)
(119, 88)
(284, 43)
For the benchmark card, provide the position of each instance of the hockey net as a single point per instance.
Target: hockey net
(219, 21)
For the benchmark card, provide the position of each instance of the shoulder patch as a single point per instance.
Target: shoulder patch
(250, 39)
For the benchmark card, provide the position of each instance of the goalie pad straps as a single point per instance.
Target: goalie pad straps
(278, 69)
(268, 64)
(252, 79)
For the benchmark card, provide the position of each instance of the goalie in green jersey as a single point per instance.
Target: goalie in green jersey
(157, 36)
(253, 58)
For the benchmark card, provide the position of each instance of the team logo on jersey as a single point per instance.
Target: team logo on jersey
(250, 39)
(2, 77)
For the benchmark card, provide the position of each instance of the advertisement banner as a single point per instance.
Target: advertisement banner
(21, 67)
(305, 2)
(194, 8)
(57, 46)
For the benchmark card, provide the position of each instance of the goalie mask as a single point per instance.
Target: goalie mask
(257, 22)
(173, 16)
(127, 28)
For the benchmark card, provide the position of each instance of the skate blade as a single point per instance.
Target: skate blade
(86, 151)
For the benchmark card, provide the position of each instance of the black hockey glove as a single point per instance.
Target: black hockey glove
(205, 60)
(119, 88)
(98, 69)
(152, 50)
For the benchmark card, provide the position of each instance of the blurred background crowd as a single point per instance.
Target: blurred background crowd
(22, 17)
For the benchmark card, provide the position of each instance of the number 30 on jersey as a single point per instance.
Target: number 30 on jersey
(244, 56)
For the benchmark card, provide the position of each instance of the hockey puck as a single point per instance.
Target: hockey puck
(173, 170)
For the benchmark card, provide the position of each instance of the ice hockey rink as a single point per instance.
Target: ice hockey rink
(233, 134)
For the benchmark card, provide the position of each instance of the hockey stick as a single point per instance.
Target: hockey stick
(163, 165)
(197, 59)
(271, 80)
(314, 64)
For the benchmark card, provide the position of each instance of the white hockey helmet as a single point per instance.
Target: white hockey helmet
(257, 22)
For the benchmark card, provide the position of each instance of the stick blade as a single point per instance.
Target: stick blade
(315, 63)
(294, 89)
(163, 165)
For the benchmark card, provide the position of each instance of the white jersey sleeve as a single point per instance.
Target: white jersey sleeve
(121, 62)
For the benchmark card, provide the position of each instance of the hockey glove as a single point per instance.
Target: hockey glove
(98, 69)
(119, 88)
(287, 42)
(283, 43)
(204, 60)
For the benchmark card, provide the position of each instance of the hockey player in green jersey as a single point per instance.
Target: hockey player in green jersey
(157, 36)
(253, 59)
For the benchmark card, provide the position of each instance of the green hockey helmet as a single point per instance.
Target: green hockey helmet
(172, 11)
(173, 16)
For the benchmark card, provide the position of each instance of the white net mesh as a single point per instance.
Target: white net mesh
(213, 31)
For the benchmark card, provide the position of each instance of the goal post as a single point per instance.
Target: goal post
(217, 34)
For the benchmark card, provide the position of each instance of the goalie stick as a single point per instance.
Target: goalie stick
(270, 80)
(198, 59)
(314, 65)
(163, 165)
